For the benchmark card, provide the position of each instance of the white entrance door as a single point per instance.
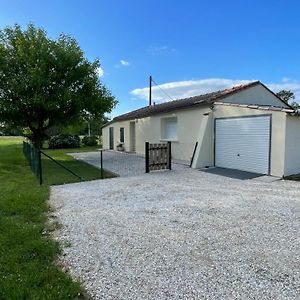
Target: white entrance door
(243, 143)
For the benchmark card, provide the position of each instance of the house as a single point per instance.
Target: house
(246, 127)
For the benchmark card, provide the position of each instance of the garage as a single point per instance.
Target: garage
(243, 143)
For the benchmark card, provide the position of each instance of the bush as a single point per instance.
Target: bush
(64, 141)
(90, 140)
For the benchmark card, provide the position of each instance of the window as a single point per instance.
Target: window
(122, 135)
(169, 129)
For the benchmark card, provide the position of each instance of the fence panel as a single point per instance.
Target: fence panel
(33, 156)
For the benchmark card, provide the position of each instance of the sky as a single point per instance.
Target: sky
(189, 47)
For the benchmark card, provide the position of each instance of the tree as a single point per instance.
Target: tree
(286, 95)
(45, 82)
(295, 105)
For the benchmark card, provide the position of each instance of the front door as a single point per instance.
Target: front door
(111, 138)
(132, 136)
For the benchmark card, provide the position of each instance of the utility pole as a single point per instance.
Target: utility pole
(150, 90)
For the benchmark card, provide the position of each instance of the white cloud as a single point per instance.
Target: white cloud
(161, 50)
(185, 89)
(124, 63)
(100, 72)
(292, 85)
(189, 88)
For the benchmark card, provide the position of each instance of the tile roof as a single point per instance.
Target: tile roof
(196, 101)
(270, 108)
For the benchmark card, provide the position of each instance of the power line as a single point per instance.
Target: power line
(162, 90)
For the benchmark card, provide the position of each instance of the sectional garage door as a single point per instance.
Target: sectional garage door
(243, 143)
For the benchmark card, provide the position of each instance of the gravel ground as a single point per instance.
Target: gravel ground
(122, 163)
(182, 235)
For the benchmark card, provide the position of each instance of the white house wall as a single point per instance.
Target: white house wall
(254, 95)
(204, 154)
(150, 130)
(116, 126)
(188, 125)
(292, 146)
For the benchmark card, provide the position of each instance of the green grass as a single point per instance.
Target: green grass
(54, 174)
(27, 253)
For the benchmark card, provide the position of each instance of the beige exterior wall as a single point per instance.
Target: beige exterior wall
(150, 130)
(292, 144)
(255, 95)
(188, 125)
(277, 134)
(117, 126)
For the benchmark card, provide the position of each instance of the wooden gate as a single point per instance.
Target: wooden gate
(158, 156)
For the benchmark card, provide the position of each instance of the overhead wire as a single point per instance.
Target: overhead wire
(162, 90)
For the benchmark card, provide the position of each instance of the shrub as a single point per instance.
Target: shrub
(90, 140)
(64, 141)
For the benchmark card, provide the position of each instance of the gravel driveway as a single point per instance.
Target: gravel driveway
(182, 235)
(121, 163)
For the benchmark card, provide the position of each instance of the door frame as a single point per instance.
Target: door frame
(243, 117)
(132, 136)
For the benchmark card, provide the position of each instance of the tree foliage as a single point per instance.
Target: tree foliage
(295, 105)
(45, 82)
(286, 95)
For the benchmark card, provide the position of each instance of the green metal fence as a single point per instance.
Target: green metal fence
(33, 156)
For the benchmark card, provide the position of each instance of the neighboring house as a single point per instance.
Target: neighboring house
(246, 128)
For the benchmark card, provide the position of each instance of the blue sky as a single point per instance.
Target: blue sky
(189, 47)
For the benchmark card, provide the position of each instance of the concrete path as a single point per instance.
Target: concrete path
(121, 163)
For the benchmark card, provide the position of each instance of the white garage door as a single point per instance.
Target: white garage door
(243, 143)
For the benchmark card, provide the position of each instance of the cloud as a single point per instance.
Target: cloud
(185, 89)
(124, 63)
(292, 85)
(161, 50)
(189, 88)
(100, 72)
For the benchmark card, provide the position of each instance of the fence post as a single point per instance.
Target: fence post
(40, 171)
(101, 162)
(169, 156)
(147, 156)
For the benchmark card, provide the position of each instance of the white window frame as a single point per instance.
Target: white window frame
(169, 123)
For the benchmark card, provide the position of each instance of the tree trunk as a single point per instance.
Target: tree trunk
(37, 138)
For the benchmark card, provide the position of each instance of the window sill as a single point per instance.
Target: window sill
(169, 140)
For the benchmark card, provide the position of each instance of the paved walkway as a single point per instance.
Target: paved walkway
(121, 163)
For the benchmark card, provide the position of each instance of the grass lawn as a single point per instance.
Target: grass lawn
(54, 174)
(27, 253)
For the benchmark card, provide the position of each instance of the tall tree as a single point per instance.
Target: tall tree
(45, 82)
(286, 95)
